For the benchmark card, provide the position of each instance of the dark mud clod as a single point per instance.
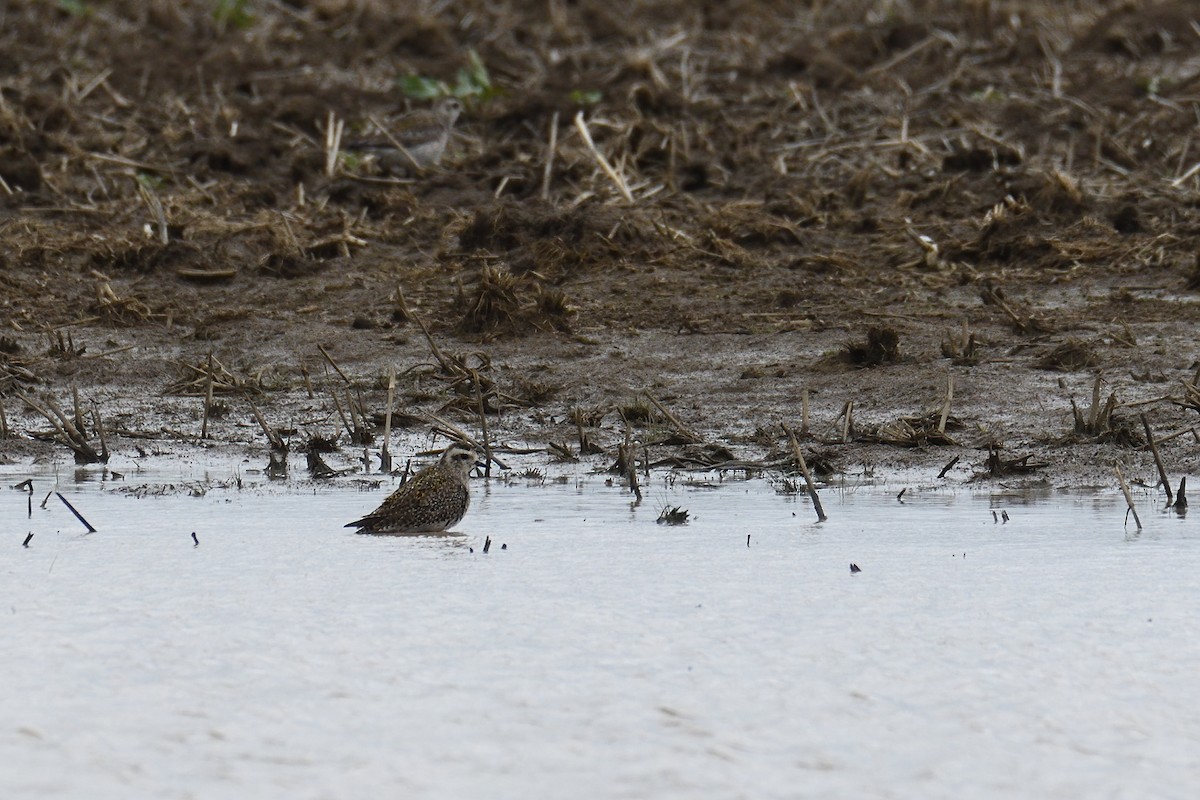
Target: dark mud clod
(882, 346)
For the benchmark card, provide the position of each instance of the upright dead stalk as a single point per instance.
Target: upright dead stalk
(550, 149)
(1158, 462)
(385, 456)
(1128, 497)
(808, 481)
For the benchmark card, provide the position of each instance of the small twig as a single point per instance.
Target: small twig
(946, 405)
(612, 174)
(628, 458)
(804, 412)
(78, 516)
(684, 431)
(78, 411)
(447, 368)
(483, 425)
(812, 488)
(1128, 497)
(156, 208)
(333, 142)
(345, 422)
(276, 441)
(1158, 462)
(99, 426)
(208, 397)
(333, 363)
(550, 149)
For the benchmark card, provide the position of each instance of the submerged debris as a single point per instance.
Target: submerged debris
(672, 516)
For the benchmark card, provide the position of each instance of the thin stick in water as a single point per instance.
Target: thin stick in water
(208, 398)
(78, 516)
(483, 424)
(385, 455)
(812, 488)
(1128, 497)
(1162, 471)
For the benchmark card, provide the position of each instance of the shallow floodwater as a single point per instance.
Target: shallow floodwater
(600, 655)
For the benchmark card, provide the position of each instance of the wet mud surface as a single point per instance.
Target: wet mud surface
(858, 201)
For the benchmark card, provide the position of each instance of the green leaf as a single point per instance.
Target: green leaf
(422, 88)
(75, 7)
(585, 97)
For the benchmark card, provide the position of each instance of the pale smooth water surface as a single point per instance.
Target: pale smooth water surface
(600, 655)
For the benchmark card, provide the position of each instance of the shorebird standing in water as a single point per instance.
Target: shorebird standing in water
(434, 499)
(416, 141)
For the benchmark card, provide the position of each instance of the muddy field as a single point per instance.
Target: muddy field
(667, 221)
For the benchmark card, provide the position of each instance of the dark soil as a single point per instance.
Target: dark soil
(859, 199)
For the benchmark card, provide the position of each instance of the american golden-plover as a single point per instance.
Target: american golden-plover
(434, 499)
(416, 141)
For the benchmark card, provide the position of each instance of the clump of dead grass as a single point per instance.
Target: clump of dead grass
(504, 304)
(1070, 356)
(882, 346)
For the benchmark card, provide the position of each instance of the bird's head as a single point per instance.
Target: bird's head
(460, 458)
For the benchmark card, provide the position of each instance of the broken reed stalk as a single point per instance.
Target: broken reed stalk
(333, 363)
(99, 426)
(78, 411)
(78, 516)
(946, 405)
(156, 209)
(356, 434)
(628, 459)
(307, 380)
(385, 456)
(446, 366)
(68, 433)
(1128, 496)
(208, 398)
(1162, 471)
(1180, 496)
(550, 149)
(804, 412)
(683, 431)
(457, 434)
(333, 142)
(3, 423)
(483, 425)
(612, 174)
(847, 421)
(274, 438)
(808, 481)
(345, 422)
